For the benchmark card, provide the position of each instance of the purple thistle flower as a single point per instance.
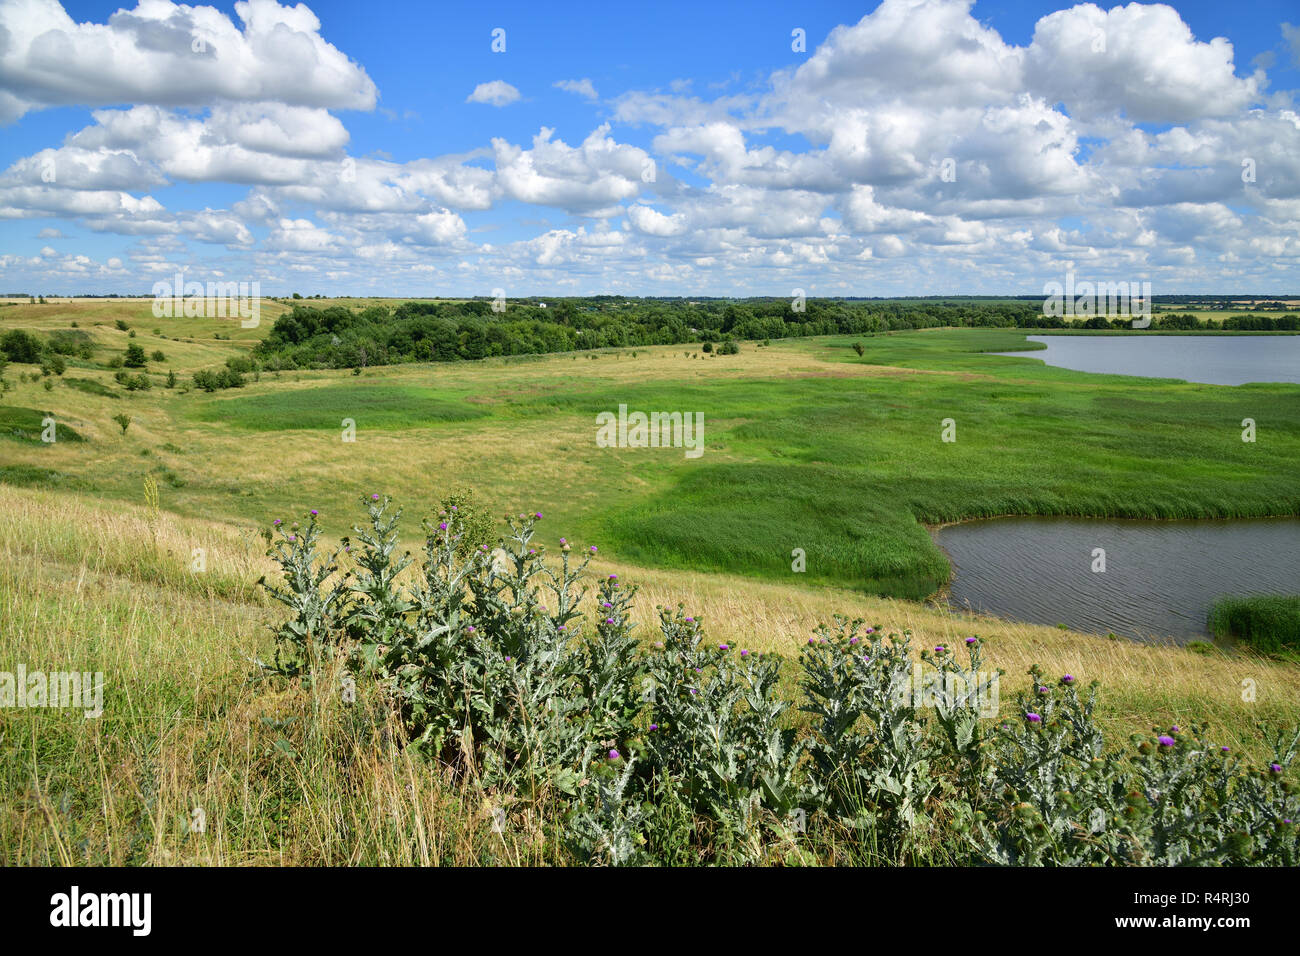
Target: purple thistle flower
(470, 629)
(609, 620)
(613, 755)
(723, 647)
(744, 653)
(314, 512)
(593, 549)
(1166, 740)
(374, 497)
(1033, 718)
(537, 515)
(1225, 749)
(442, 526)
(1067, 679)
(970, 640)
(1275, 767)
(1174, 729)
(654, 726)
(1042, 690)
(690, 620)
(277, 522)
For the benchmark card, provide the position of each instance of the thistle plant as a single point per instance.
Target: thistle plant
(680, 749)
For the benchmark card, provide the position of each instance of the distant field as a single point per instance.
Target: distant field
(808, 445)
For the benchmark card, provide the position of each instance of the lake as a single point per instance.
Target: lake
(1211, 359)
(1160, 576)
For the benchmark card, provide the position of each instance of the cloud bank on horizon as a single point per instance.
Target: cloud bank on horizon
(913, 151)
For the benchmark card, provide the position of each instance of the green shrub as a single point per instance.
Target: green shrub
(66, 342)
(210, 380)
(134, 357)
(1267, 622)
(19, 345)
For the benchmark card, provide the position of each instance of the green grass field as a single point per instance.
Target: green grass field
(807, 445)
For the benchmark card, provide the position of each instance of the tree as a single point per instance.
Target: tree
(124, 420)
(135, 357)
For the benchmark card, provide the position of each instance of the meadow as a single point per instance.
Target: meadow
(809, 445)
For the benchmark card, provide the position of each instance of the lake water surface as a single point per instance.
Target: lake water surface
(1212, 359)
(1160, 577)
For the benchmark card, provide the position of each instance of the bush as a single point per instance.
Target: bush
(729, 347)
(210, 380)
(19, 345)
(706, 347)
(686, 752)
(158, 356)
(134, 357)
(1267, 622)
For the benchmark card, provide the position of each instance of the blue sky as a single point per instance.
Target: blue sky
(772, 168)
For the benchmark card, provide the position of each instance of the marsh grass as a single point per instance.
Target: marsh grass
(1269, 623)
